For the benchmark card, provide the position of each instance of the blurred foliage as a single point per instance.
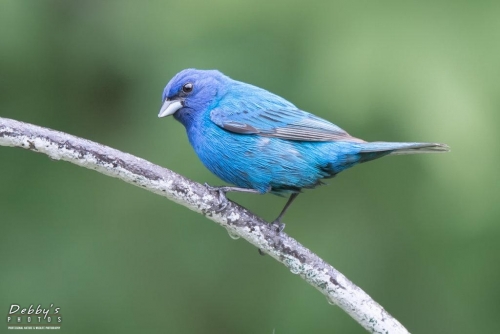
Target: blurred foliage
(420, 234)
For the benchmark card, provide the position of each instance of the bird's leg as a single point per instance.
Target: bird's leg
(277, 222)
(223, 202)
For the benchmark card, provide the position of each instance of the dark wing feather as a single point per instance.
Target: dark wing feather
(286, 122)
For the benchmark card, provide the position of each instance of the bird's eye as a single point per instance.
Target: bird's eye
(187, 88)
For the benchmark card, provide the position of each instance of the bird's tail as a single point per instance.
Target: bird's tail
(367, 151)
(389, 148)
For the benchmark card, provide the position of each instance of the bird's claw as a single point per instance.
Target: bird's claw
(223, 202)
(210, 187)
(278, 226)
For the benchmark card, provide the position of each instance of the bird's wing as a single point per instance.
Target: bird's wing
(285, 122)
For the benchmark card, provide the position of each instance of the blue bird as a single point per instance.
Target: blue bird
(262, 143)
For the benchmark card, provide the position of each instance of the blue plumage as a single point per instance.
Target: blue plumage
(262, 143)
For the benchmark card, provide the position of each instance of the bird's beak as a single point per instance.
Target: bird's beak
(169, 107)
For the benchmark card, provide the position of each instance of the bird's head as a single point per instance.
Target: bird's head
(191, 92)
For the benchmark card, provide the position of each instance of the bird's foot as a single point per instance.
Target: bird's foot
(223, 201)
(278, 225)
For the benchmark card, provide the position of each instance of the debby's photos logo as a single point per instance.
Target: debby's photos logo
(34, 317)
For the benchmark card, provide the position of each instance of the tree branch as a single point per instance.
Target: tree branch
(236, 219)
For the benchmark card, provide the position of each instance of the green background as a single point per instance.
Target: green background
(420, 234)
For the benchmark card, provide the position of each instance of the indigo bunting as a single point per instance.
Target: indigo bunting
(262, 143)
